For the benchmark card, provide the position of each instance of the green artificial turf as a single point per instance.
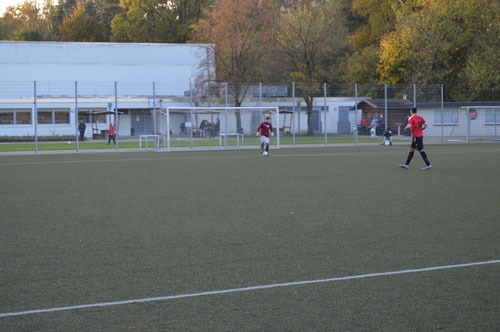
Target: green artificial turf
(89, 228)
(176, 143)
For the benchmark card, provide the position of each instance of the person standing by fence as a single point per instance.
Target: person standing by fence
(81, 129)
(111, 133)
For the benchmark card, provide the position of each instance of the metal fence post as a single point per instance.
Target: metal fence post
(190, 94)
(414, 95)
(36, 117)
(154, 112)
(192, 127)
(324, 116)
(168, 129)
(293, 113)
(278, 130)
(260, 102)
(468, 125)
(226, 118)
(76, 118)
(495, 120)
(191, 113)
(356, 112)
(442, 113)
(298, 116)
(116, 116)
(385, 109)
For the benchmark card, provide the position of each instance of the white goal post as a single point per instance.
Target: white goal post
(223, 118)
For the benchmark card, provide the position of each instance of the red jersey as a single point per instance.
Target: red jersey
(416, 122)
(111, 130)
(264, 128)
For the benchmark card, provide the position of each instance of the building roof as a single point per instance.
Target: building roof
(403, 104)
(459, 104)
(392, 104)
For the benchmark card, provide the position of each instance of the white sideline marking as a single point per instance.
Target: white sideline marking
(244, 289)
(253, 155)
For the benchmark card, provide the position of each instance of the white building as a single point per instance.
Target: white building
(56, 66)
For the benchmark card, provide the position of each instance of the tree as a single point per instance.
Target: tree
(311, 40)
(157, 21)
(106, 10)
(80, 27)
(369, 21)
(240, 31)
(454, 42)
(25, 22)
(9, 24)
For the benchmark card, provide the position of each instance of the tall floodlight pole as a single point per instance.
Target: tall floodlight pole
(324, 110)
(36, 117)
(76, 117)
(293, 113)
(385, 108)
(116, 116)
(356, 112)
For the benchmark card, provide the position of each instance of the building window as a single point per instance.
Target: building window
(15, 116)
(450, 117)
(44, 116)
(53, 116)
(61, 115)
(23, 116)
(493, 117)
(6, 116)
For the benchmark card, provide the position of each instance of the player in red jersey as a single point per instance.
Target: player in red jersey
(264, 128)
(417, 124)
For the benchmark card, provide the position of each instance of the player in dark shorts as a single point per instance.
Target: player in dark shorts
(417, 124)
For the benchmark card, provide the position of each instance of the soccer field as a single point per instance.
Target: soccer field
(339, 238)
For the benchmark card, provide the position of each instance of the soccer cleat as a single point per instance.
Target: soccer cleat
(427, 167)
(404, 166)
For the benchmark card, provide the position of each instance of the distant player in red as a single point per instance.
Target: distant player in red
(111, 134)
(265, 128)
(417, 124)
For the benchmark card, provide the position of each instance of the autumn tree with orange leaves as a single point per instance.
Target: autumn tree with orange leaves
(80, 27)
(240, 30)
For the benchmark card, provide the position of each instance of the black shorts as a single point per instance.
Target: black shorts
(417, 143)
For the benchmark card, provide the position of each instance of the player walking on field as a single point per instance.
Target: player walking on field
(265, 128)
(417, 124)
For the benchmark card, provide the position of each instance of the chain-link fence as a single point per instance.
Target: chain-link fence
(91, 114)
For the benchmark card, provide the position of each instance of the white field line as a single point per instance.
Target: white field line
(253, 155)
(244, 289)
